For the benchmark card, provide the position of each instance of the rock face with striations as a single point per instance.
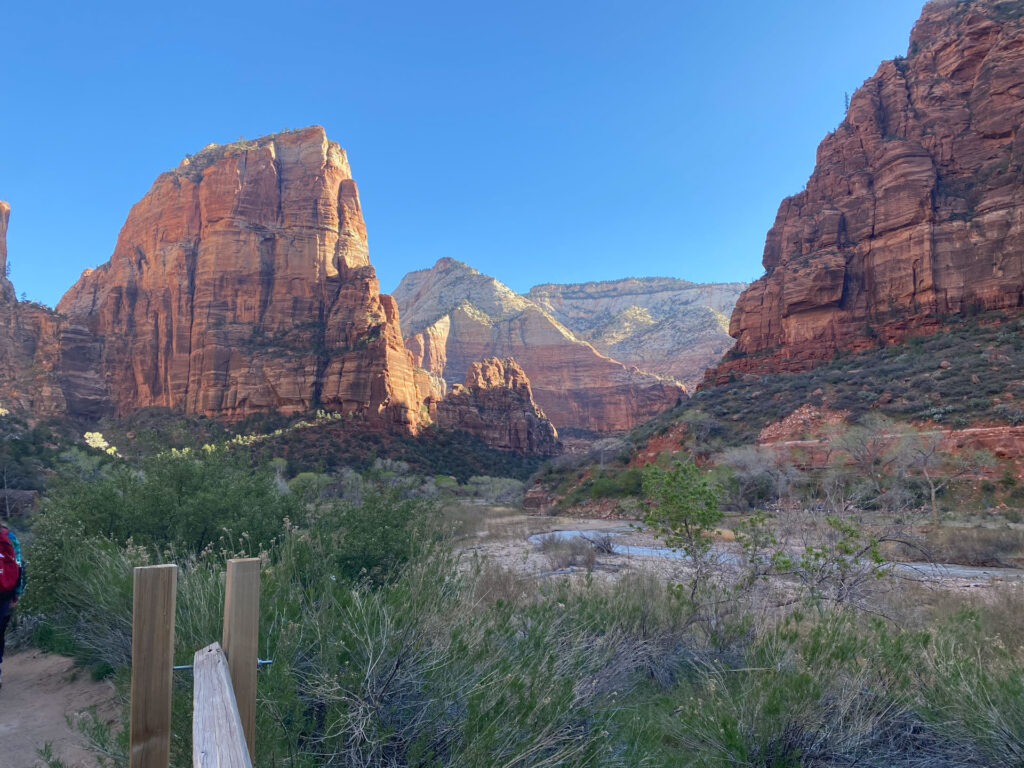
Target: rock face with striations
(496, 404)
(662, 325)
(29, 351)
(241, 284)
(453, 316)
(915, 208)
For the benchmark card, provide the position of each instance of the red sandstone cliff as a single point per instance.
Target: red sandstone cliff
(915, 208)
(241, 283)
(29, 351)
(496, 404)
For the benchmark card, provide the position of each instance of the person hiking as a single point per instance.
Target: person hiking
(12, 582)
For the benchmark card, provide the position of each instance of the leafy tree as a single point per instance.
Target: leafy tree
(373, 537)
(683, 510)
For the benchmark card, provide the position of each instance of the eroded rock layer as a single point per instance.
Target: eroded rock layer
(240, 284)
(453, 316)
(496, 404)
(915, 208)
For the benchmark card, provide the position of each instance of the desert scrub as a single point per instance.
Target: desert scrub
(390, 651)
(837, 690)
(983, 347)
(564, 552)
(431, 668)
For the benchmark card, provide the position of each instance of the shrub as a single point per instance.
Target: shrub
(179, 500)
(564, 552)
(374, 537)
(619, 484)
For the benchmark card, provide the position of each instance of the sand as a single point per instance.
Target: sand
(41, 693)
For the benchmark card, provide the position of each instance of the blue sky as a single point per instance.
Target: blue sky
(539, 141)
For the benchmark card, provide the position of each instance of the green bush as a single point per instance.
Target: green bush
(181, 501)
(626, 482)
(376, 536)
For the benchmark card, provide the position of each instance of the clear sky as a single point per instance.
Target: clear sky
(537, 140)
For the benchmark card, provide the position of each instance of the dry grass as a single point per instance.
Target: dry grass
(563, 553)
(493, 583)
(1001, 546)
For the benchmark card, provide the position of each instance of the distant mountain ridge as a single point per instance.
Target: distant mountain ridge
(663, 325)
(453, 314)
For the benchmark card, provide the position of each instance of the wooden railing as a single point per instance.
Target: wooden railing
(218, 740)
(224, 692)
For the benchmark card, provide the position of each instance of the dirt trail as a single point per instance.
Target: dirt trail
(40, 691)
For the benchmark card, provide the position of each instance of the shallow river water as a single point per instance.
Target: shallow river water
(921, 571)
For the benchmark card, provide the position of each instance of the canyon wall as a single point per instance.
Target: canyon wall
(673, 328)
(915, 209)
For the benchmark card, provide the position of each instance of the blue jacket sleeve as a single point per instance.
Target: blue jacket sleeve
(21, 564)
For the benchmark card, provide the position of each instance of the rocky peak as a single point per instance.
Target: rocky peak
(914, 209)
(241, 283)
(28, 345)
(6, 289)
(427, 295)
(5, 217)
(491, 373)
(496, 404)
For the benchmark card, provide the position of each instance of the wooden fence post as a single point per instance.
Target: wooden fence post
(241, 639)
(154, 591)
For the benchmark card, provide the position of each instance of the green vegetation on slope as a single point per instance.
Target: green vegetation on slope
(320, 442)
(971, 372)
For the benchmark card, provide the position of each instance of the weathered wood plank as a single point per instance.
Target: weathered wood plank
(218, 740)
(154, 592)
(241, 639)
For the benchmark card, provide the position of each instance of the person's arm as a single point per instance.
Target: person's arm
(21, 567)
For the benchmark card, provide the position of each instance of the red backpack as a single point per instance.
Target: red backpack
(9, 569)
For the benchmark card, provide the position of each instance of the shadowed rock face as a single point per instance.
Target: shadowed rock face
(915, 209)
(240, 284)
(453, 316)
(496, 404)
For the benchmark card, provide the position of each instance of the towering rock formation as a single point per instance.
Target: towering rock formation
(239, 284)
(915, 208)
(496, 404)
(28, 345)
(453, 316)
(670, 327)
